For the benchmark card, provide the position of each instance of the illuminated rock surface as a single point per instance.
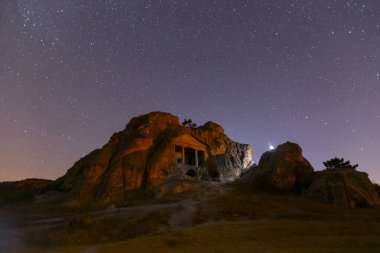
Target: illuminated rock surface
(151, 148)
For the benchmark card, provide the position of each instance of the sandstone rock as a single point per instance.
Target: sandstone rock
(343, 187)
(151, 148)
(283, 169)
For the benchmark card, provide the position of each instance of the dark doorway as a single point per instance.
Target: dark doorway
(201, 158)
(191, 173)
(190, 156)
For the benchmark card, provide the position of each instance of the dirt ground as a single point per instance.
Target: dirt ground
(228, 222)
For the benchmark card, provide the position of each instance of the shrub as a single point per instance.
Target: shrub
(338, 163)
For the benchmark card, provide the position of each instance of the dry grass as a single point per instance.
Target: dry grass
(225, 208)
(245, 222)
(90, 230)
(233, 206)
(254, 236)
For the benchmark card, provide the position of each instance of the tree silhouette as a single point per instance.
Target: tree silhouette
(189, 123)
(338, 163)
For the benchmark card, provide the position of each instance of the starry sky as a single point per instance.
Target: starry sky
(72, 72)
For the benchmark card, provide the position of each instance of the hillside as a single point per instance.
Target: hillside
(22, 190)
(160, 186)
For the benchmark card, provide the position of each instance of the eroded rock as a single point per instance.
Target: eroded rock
(343, 187)
(151, 148)
(283, 169)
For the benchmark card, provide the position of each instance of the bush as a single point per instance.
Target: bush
(338, 163)
(189, 123)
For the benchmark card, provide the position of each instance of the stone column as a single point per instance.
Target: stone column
(196, 158)
(183, 155)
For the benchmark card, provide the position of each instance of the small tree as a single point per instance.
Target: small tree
(189, 123)
(338, 163)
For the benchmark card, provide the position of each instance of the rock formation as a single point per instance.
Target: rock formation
(283, 169)
(343, 187)
(153, 147)
(229, 165)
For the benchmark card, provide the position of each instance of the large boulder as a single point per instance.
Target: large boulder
(343, 187)
(151, 148)
(283, 169)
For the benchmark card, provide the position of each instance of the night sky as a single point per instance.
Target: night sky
(74, 72)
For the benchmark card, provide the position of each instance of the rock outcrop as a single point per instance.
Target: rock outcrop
(153, 147)
(22, 190)
(343, 187)
(283, 169)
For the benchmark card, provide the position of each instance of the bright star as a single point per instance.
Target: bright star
(271, 147)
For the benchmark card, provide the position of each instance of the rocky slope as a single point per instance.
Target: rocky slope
(285, 170)
(343, 187)
(143, 154)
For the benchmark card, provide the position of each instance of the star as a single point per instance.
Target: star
(305, 71)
